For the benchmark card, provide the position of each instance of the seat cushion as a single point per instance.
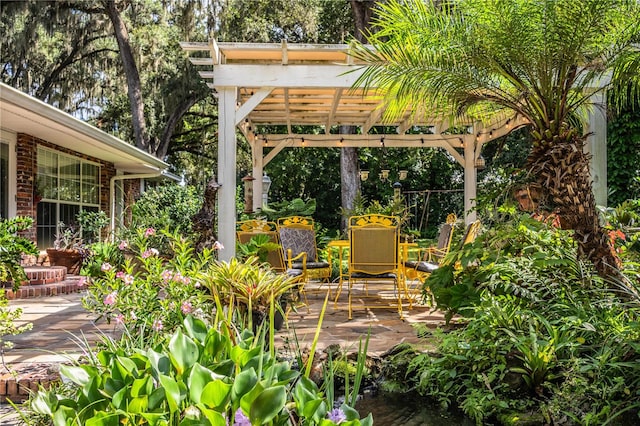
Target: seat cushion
(310, 265)
(427, 267)
(294, 272)
(372, 276)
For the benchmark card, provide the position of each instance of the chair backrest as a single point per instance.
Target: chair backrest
(247, 229)
(471, 233)
(297, 233)
(374, 241)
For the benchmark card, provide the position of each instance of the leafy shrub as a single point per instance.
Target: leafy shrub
(12, 247)
(200, 375)
(541, 333)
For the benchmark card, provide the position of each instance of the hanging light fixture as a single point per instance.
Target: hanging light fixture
(364, 175)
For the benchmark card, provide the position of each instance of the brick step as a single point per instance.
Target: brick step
(37, 275)
(72, 284)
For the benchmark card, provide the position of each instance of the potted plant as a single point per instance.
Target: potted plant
(67, 249)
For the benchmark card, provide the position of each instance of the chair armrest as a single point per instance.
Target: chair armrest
(301, 257)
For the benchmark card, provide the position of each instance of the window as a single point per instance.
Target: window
(64, 185)
(4, 180)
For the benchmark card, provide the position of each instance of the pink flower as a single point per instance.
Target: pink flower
(82, 281)
(150, 252)
(197, 285)
(149, 232)
(123, 245)
(106, 267)
(119, 274)
(110, 299)
(157, 325)
(186, 307)
(119, 319)
(218, 246)
(128, 279)
(133, 316)
(167, 275)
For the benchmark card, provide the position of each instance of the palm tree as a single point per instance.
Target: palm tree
(539, 59)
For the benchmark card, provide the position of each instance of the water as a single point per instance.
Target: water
(408, 410)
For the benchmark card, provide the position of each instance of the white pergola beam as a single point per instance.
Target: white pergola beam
(310, 76)
(246, 108)
(363, 141)
(334, 108)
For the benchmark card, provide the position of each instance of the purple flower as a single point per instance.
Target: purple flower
(240, 419)
(337, 416)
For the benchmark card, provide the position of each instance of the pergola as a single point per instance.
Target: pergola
(313, 85)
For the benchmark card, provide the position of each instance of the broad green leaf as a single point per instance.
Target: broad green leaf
(111, 386)
(44, 403)
(195, 328)
(119, 399)
(183, 351)
(267, 405)
(214, 417)
(247, 399)
(139, 405)
(310, 408)
(172, 392)
(102, 418)
(78, 375)
(154, 418)
(215, 343)
(156, 398)
(216, 394)
(160, 363)
(243, 383)
(141, 387)
(127, 364)
(198, 379)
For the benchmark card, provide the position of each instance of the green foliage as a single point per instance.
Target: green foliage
(199, 375)
(539, 333)
(258, 246)
(99, 254)
(148, 291)
(7, 323)
(12, 247)
(295, 207)
(623, 148)
(91, 224)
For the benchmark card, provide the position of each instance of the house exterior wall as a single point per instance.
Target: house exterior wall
(27, 168)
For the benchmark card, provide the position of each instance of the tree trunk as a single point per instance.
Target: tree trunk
(134, 87)
(349, 177)
(204, 222)
(562, 168)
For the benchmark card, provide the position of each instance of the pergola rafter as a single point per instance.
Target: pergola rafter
(313, 85)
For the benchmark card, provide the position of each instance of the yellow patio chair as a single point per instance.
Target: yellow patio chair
(470, 234)
(374, 256)
(245, 230)
(435, 253)
(298, 238)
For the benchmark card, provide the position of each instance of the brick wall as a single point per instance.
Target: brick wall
(27, 168)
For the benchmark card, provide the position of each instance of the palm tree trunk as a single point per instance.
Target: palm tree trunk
(562, 168)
